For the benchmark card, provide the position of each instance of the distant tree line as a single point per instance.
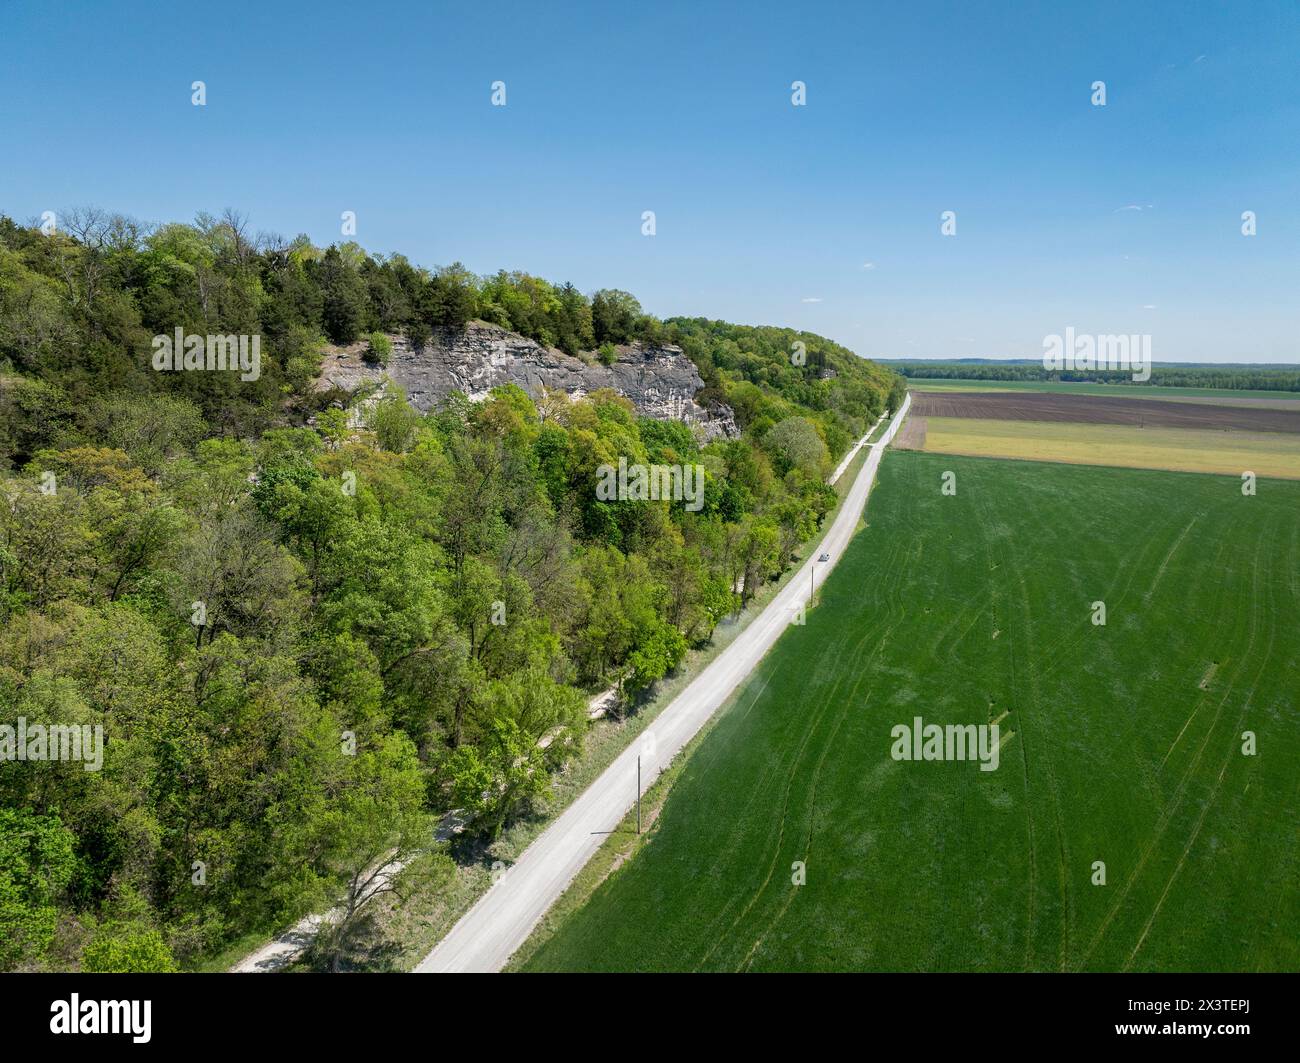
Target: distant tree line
(1246, 378)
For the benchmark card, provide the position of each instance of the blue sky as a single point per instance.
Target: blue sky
(1123, 218)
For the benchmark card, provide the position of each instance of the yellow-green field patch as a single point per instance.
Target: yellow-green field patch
(1176, 449)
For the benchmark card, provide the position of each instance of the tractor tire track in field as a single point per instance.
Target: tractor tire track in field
(736, 838)
(1165, 563)
(1035, 699)
(848, 706)
(892, 596)
(760, 790)
(1182, 859)
(1136, 565)
(1028, 705)
(915, 870)
(780, 836)
(1265, 659)
(756, 791)
(1149, 774)
(1031, 916)
(1172, 808)
(1206, 696)
(812, 815)
(790, 780)
(897, 598)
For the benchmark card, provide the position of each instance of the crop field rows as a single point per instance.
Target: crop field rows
(1279, 400)
(1121, 745)
(1009, 406)
(1222, 437)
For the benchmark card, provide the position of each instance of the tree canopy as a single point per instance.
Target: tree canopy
(309, 628)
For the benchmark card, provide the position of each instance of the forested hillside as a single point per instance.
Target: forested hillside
(303, 639)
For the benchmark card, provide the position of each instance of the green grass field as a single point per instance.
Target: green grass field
(1284, 399)
(1121, 744)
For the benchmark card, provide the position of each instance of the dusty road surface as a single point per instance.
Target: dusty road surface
(853, 452)
(489, 933)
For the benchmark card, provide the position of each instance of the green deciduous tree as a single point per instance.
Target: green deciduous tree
(37, 862)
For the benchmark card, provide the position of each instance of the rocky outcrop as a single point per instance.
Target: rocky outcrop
(660, 380)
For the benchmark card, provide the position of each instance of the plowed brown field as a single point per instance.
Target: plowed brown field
(1089, 409)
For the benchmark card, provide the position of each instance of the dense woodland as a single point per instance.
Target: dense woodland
(397, 619)
(1237, 378)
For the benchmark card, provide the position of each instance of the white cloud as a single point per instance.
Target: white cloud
(1148, 306)
(868, 265)
(810, 299)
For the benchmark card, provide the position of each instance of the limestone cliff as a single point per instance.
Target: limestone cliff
(660, 380)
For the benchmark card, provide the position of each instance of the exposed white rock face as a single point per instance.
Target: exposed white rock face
(661, 381)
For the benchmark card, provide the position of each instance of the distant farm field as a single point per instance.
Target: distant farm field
(1227, 396)
(1103, 430)
(1024, 406)
(1177, 449)
(1122, 745)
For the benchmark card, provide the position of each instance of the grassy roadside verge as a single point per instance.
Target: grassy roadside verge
(619, 848)
(400, 930)
(879, 430)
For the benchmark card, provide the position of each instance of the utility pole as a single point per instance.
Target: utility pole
(638, 793)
